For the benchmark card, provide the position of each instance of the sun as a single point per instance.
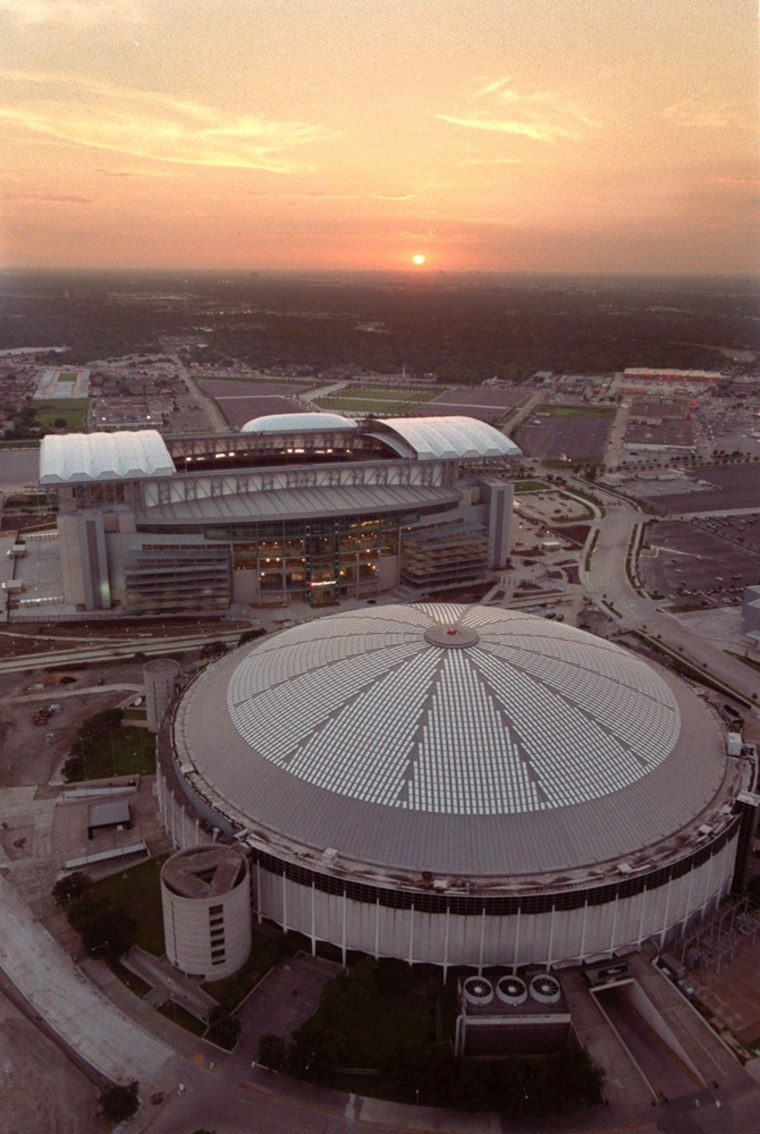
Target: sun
(418, 259)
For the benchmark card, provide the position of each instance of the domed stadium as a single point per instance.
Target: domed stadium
(456, 785)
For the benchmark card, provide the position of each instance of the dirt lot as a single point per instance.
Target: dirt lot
(32, 754)
(41, 1091)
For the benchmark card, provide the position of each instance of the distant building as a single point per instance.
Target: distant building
(302, 507)
(751, 614)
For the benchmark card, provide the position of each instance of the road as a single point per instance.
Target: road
(606, 579)
(215, 416)
(118, 649)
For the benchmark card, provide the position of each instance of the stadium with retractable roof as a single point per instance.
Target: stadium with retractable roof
(308, 507)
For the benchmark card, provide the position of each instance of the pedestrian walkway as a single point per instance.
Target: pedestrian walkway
(57, 992)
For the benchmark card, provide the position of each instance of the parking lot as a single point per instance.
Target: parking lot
(691, 563)
(724, 488)
(573, 433)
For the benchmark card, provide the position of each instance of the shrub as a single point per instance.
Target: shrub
(71, 887)
(120, 1102)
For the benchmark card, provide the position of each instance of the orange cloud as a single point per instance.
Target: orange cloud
(542, 116)
(144, 124)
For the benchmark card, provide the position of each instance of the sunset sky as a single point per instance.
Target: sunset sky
(492, 135)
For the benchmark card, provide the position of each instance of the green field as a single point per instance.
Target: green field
(137, 891)
(575, 411)
(67, 376)
(377, 399)
(531, 486)
(71, 410)
(126, 751)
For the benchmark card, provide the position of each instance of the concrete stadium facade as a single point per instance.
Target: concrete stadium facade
(459, 786)
(309, 507)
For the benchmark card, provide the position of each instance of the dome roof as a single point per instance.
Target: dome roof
(297, 423)
(447, 737)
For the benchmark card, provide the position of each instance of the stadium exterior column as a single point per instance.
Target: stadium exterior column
(583, 928)
(313, 919)
(708, 883)
(667, 910)
(551, 939)
(284, 902)
(377, 927)
(644, 893)
(343, 932)
(517, 943)
(613, 930)
(411, 934)
(482, 941)
(446, 944)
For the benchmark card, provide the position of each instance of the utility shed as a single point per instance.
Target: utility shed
(109, 813)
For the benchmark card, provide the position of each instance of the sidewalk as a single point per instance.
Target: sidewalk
(56, 991)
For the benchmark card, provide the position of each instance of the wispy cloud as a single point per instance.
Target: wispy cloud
(394, 196)
(145, 124)
(136, 173)
(75, 13)
(491, 161)
(542, 116)
(50, 198)
(702, 111)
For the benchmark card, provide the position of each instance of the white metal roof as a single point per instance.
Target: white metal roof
(442, 737)
(75, 457)
(297, 423)
(451, 437)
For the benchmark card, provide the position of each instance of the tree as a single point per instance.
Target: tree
(213, 650)
(223, 1028)
(70, 887)
(272, 1051)
(105, 931)
(120, 1102)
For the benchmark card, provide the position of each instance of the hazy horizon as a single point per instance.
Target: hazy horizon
(539, 137)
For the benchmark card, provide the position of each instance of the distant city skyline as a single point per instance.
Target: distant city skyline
(467, 135)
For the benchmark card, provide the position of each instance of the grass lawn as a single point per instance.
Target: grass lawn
(377, 399)
(531, 486)
(182, 1017)
(137, 891)
(71, 410)
(127, 751)
(388, 1018)
(133, 982)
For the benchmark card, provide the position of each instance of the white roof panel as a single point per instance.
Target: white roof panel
(297, 423)
(72, 458)
(442, 737)
(434, 438)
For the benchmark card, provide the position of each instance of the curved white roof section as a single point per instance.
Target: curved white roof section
(297, 423)
(452, 738)
(441, 438)
(73, 458)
